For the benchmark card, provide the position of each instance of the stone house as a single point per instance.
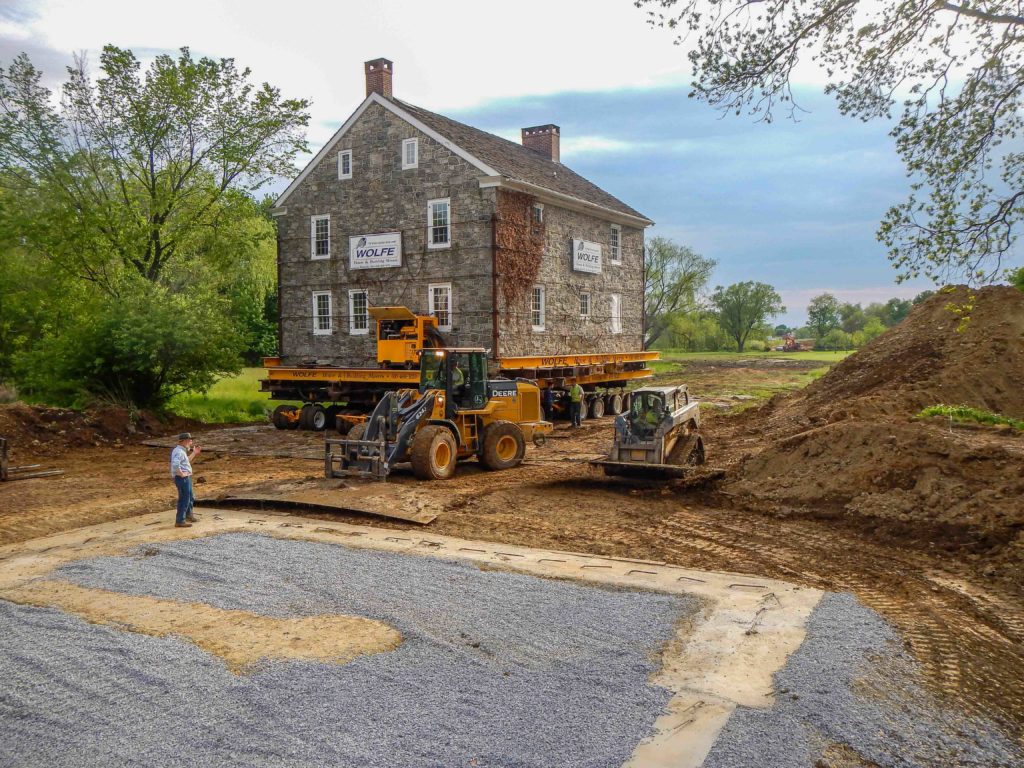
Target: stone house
(510, 249)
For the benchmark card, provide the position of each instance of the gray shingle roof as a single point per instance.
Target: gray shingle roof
(516, 162)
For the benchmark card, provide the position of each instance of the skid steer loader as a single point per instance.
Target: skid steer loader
(455, 414)
(658, 436)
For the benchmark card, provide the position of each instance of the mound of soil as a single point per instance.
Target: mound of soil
(36, 430)
(850, 445)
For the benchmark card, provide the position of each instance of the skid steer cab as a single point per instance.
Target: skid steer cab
(454, 415)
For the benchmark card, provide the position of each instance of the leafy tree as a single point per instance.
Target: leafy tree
(696, 332)
(890, 313)
(149, 165)
(742, 307)
(781, 330)
(852, 317)
(1017, 278)
(823, 314)
(957, 67)
(922, 297)
(133, 188)
(674, 276)
(835, 339)
(873, 328)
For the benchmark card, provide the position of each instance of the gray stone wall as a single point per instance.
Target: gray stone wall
(565, 331)
(381, 197)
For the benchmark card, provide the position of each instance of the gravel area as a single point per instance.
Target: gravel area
(851, 684)
(496, 669)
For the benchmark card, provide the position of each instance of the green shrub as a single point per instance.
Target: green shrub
(966, 413)
(140, 349)
(834, 340)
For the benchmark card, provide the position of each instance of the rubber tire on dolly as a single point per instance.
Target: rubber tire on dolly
(304, 417)
(504, 446)
(613, 404)
(281, 421)
(317, 419)
(597, 408)
(433, 453)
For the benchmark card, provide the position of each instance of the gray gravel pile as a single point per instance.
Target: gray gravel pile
(852, 683)
(496, 669)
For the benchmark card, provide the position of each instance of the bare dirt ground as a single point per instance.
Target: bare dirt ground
(954, 593)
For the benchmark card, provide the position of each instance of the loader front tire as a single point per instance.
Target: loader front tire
(504, 445)
(357, 431)
(433, 453)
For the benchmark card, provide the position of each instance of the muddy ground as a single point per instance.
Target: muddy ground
(964, 623)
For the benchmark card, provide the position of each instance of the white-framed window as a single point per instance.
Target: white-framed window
(616, 313)
(439, 304)
(320, 236)
(537, 308)
(585, 305)
(615, 244)
(439, 229)
(323, 317)
(410, 154)
(345, 164)
(538, 214)
(358, 312)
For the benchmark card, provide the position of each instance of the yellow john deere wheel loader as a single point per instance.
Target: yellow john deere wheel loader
(455, 414)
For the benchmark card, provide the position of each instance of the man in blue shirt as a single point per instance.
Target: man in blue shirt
(181, 472)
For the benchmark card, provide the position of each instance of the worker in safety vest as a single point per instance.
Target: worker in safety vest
(654, 415)
(576, 404)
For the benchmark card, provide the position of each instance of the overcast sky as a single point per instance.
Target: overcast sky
(791, 204)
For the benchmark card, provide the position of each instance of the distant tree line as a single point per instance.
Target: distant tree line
(681, 312)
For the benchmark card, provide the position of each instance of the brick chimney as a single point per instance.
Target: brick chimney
(542, 139)
(378, 76)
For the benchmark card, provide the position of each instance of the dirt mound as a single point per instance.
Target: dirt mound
(849, 445)
(932, 358)
(32, 430)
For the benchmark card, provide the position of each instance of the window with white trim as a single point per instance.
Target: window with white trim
(537, 308)
(323, 323)
(320, 236)
(439, 231)
(345, 164)
(616, 313)
(538, 214)
(585, 305)
(439, 304)
(410, 154)
(615, 244)
(358, 312)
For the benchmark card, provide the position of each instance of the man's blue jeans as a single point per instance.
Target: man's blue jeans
(575, 412)
(184, 486)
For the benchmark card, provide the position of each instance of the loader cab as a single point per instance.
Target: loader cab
(461, 373)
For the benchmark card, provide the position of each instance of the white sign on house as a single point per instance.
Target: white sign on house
(383, 249)
(586, 256)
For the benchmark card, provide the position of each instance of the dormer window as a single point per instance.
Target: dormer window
(410, 154)
(345, 164)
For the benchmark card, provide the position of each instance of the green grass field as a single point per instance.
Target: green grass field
(234, 400)
(670, 357)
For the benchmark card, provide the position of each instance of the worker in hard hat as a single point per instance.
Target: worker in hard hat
(576, 404)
